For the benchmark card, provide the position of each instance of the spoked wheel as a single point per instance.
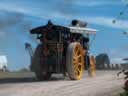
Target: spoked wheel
(75, 61)
(92, 66)
(36, 65)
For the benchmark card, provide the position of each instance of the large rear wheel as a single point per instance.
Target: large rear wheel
(37, 65)
(75, 61)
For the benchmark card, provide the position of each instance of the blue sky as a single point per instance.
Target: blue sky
(19, 16)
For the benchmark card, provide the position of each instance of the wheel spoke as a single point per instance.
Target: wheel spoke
(76, 51)
(74, 60)
(79, 64)
(78, 72)
(79, 60)
(77, 69)
(79, 56)
(75, 65)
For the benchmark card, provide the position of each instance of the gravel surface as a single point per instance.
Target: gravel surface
(106, 83)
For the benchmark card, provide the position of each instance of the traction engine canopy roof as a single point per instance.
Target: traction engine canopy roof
(51, 27)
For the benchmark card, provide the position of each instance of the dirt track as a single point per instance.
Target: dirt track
(104, 84)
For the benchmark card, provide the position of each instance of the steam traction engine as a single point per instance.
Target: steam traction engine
(62, 50)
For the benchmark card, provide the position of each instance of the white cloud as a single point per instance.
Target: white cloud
(2, 35)
(36, 12)
(92, 3)
(107, 21)
(117, 60)
(125, 1)
(117, 54)
(99, 20)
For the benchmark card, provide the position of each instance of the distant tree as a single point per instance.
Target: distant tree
(102, 60)
(24, 70)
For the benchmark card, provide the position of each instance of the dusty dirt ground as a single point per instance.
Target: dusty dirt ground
(106, 83)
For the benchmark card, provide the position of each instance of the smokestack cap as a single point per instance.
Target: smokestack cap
(78, 23)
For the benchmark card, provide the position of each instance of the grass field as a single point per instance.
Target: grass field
(16, 77)
(16, 74)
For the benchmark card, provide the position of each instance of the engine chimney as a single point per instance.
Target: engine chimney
(78, 23)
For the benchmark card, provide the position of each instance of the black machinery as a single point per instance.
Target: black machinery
(62, 50)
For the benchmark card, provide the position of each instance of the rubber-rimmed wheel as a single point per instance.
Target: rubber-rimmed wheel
(75, 61)
(36, 65)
